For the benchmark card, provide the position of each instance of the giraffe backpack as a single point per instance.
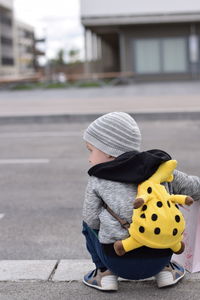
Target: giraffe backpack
(157, 221)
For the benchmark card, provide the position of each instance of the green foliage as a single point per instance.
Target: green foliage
(59, 59)
(86, 84)
(74, 55)
(56, 85)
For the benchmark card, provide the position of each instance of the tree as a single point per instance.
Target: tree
(59, 59)
(74, 55)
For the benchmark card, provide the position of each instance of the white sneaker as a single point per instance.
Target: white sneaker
(105, 281)
(170, 275)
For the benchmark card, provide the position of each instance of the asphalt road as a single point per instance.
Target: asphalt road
(43, 173)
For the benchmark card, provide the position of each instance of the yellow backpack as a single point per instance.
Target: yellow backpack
(157, 221)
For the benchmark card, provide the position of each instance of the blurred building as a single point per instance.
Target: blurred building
(25, 52)
(7, 39)
(153, 39)
(18, 46)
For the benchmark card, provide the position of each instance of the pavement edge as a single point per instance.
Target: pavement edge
(81, 118)
(65, 270)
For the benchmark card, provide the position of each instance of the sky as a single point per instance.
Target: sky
(58, 20)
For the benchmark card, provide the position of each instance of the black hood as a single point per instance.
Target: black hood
(131, 167)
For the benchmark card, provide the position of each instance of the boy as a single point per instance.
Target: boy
(118, 167)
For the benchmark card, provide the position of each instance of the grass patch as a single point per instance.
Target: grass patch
(22, 87)
(38, 85)
(55, 85)
(86, 84)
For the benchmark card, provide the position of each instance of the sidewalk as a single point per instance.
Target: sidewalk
(61, 280)
(45, 270)
(65, 270)
(155, 100)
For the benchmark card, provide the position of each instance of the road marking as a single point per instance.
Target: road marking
(24, 161)
(2, 216)
(40, 134)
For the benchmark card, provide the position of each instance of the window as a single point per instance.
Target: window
(6, 41)
(147, 56)
(174, 55)
(7, 61)
(164, 55)
(6, 20)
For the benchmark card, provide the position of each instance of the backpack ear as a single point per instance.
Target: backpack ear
(164, 172)
(170, 178)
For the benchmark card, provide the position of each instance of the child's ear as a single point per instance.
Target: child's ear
(110, 157)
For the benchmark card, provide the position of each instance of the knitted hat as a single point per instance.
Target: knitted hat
(114, 133)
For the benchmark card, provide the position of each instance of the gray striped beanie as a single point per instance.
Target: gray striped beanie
(114, 133)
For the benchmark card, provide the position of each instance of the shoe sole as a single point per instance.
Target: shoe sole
(100, 288)
(174, 281)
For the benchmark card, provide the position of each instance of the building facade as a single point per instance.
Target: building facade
(17, 44)
(7, 38)
(150, 38)
(25, 52)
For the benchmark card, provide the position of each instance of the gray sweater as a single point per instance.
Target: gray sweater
(119, 197)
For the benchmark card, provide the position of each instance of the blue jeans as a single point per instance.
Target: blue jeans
(136, 264)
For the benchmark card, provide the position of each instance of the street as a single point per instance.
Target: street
(43, 177)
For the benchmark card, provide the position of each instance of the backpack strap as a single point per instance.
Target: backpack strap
(125, 224)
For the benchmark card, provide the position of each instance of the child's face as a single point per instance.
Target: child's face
(96, 156)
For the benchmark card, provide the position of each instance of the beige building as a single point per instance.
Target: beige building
(17, 44)
(7, 41)
(25, 48)
(153, 39)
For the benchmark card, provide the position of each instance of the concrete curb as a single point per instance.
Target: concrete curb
(81, 118)
(53, 270)
(19, 270)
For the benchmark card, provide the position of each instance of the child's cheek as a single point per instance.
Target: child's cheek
(90, 157)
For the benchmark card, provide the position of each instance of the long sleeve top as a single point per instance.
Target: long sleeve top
(119, 197)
